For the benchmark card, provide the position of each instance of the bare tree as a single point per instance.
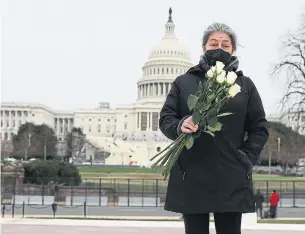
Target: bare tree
(293, 64)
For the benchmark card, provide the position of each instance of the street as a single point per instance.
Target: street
(122, 211)
(32, 226)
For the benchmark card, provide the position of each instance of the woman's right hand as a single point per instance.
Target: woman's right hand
(188, 126)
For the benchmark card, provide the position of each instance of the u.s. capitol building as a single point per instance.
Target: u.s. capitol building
(128, 133)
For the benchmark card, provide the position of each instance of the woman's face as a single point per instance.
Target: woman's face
(219, 40)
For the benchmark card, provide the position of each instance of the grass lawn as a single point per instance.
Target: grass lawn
(121, 170)
(148, 173)
(145, 179)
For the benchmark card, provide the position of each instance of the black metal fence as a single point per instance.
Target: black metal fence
(126, 193)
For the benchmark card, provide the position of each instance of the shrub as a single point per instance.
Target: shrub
(43, 172)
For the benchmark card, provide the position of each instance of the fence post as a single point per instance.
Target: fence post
(100, 192)
(114, 192)
(3, 210)
(86, 186)
(23, 208)
(85, 209)
(13, 209)
(142, 192)
(281, 192)
(267, 191)
(293, 193)
(42, 193)
(128, 191)
(71, 196)
(157, 191)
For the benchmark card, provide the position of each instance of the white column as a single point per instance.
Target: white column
(140, 121)
(69, 124)
(58, 126)
(9, 120)
(154, 90)
(159, 89)
(147, 121)
(150, 117)
(164, 89)
(142, 91)
(63, 125)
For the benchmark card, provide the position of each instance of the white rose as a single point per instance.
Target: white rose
(210, 73)
(221, 77)
(219, 67)
(231, 78)
(233, 90)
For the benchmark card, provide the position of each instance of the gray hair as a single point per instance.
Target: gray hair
(219, 27)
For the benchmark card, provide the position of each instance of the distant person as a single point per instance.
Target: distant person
(259, 200)
(274, 201)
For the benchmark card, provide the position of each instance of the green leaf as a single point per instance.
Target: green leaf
(196, 116)
(200, 86)
(189, 142)
(211, 97)
(196, 134)
(192, 101)
(212, 134)
(212, 113)
(212, 121)
(224, 114)
(204, 106)
(215, 128)
(202, 123)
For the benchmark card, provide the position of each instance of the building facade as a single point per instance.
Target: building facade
(130, 133)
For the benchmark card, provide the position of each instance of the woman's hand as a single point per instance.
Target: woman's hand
(188, 126)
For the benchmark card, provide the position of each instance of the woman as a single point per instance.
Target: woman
(215, 175)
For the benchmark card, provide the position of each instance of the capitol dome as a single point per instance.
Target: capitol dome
(168, 59)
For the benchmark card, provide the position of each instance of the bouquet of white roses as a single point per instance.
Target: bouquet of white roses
(205, 104)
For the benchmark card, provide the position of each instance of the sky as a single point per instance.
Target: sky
(69, 54)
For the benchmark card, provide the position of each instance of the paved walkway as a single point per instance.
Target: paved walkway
(38, 229)
(33, 226)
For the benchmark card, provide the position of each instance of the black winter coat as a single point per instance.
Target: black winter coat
(215, 175)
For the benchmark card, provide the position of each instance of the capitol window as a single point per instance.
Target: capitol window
(143, 121)
(155, 119)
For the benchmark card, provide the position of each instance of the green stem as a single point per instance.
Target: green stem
(168, 153)
(174, 142)
(174, 158)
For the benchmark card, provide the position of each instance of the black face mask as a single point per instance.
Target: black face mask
(217, 55)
